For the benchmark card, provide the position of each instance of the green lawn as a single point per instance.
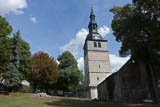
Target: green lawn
(26, 100)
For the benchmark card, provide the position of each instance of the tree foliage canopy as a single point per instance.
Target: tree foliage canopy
(137, 26)
(5, 30)
(70, 77)
(22, 54)
(67, 60)
(45, 70)
(12, 77)
(20, 62)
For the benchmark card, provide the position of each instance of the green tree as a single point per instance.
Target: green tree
(21, 54)
(149, 12)
(45, 71)
(15, 48)
(20, 63)
(12, 77)
(5, 30)
(137, 26)
(24, 55)
(70, 77)
(67, 60)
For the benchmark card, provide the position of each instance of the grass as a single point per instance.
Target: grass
(26, 100)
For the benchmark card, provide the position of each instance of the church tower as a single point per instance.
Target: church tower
(96, 59)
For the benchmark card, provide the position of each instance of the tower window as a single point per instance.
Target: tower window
(95, 44)
(99, 44)
(97, 78)
(99, 66)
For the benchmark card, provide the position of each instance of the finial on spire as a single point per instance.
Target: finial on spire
(91, 9)
(92, 12)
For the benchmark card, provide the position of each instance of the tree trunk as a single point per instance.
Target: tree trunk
(151, 82)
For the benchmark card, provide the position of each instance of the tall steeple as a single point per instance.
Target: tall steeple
(96, 59)
(93, 32)
(92, 24)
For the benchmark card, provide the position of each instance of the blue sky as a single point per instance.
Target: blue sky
(54, 26)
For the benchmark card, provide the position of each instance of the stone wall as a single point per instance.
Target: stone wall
(96, 65)
(132, 83)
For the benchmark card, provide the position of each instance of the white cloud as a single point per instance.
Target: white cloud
(104, 31)
(76, 43)
(12, 6)
(117, 62)
(81, 63)
(33, 19)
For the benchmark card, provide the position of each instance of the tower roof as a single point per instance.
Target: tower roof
(93, 32)
(92, 18)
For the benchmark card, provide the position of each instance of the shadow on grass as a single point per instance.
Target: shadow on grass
(68, 103)
(86, 103)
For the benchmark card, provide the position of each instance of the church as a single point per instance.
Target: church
(96, 59)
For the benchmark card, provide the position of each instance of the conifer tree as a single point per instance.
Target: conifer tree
(12, 76)
(21, 62)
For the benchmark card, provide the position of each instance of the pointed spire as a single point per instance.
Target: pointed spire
(92, 16)
(92, 13)
(93, 27)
